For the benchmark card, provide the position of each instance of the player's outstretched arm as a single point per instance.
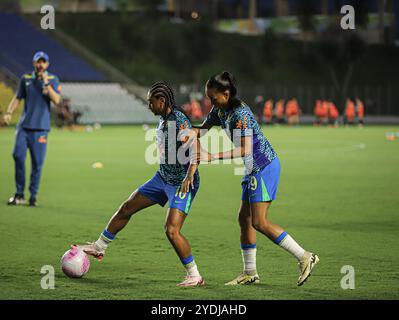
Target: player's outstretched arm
(243, 150)
(202, 129)
(197, 132)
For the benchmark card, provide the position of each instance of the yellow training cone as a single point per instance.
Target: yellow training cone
(97, 165)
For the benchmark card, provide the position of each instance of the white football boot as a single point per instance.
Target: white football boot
(244, 278)
(306, 264)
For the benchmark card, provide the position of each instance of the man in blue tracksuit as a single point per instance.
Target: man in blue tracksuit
(38, 89)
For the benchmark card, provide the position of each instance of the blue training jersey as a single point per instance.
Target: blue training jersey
(240, 122)
(36, 112)
(173, 167)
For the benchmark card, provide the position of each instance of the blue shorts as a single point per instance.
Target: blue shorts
(262, 186)
(159, 191)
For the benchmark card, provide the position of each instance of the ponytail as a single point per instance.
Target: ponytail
(222, 82)
(227, 76)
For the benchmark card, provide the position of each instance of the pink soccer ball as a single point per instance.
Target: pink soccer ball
(75, 263)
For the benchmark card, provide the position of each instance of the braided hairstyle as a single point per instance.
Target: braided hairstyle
(162, 89)
(222, 82)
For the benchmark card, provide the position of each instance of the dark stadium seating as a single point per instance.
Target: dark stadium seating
(18, 46)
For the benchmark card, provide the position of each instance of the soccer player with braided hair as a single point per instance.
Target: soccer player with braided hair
(176, 182)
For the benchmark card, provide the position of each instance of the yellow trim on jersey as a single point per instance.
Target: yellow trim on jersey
(29, 76)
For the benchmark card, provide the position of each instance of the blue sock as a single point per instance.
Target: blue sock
(280, 237)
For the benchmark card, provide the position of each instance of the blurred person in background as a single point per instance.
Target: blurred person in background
(279, 111)
(350, 112)
(196, 112)
(206, 105)
(259, 102)
(321, 112)
(63, 115)
(38, 88)
(268, 111)
(292, 112)
(187, 108)
(333, 115)
(360, 112)
(317, 112)
(324, 112)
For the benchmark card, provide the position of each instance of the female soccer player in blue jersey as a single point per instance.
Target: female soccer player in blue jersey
(175, 182)
(259, 185)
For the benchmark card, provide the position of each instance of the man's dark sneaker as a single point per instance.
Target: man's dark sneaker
(16, 200)
(32, 202)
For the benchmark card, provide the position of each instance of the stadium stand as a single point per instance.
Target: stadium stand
(107, 103)
(17, 48)
(98, 100)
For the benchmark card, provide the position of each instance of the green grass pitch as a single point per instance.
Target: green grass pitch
(338, 196)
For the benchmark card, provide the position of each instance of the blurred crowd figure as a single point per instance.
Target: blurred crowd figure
(278, 112)
(64, 115)
(326, 112)
(288, 112)
(354, 110)
(197, 108)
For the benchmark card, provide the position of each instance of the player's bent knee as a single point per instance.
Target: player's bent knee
(257, 225)
(260, 224)
(171, 231)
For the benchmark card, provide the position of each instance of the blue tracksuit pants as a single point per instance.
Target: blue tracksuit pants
(36, 142)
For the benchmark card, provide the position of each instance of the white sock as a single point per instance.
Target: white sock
(285, 241)
(104, 240)
(249, 259)
(101, 244)
(190, 266)
(192, 270)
